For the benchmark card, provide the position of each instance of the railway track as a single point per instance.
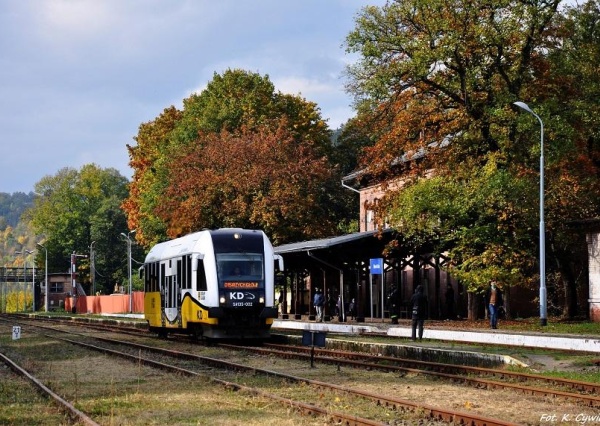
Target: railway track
(397, 405)
(585, 393)
(177, 370)
(75, 415)
(547, 389)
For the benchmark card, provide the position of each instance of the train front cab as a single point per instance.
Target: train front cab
(245, 288)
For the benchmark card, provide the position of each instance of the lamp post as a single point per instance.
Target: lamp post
(128, 237)
(45, 278)
(543, 310)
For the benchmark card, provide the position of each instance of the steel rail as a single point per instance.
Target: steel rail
(436, 369)
(589, 400)
(346, 419)
(46, 391)
(451, 416)
(593, 388)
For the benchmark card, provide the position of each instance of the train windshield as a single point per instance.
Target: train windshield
(240, 267)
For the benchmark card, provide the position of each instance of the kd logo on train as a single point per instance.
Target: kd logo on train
(238, 295)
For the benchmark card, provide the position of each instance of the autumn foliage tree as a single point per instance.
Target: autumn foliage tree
(149, 177)
(255, 178)
(239, 154)
(438, 80)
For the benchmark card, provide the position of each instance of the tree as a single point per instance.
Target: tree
(256, 178)
(216, 129)
(149, 176)
(438, 80)
(75, 208)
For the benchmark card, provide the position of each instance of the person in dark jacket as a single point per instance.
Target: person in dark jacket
(419, 305)
(494, 301)
(352, 309)
(318, 302)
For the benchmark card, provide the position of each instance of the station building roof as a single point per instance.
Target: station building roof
(340, 250)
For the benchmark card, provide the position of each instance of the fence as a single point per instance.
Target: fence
(111, 304)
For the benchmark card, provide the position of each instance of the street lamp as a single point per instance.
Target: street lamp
(45, 278)
(543, 310)
(128, 237)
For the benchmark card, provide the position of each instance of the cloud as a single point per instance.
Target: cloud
(305, 86)
(77, 78)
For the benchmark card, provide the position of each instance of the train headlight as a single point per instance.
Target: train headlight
(261, 299)
(222, 299)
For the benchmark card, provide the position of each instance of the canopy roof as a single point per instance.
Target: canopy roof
(339, 251)
(324, 243)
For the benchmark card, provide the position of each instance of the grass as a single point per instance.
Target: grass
(117, 392)
(556, 325)
(20, 405)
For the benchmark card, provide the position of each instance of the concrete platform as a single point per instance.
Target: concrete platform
(575, 343)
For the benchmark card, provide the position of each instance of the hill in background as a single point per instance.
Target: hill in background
(12, 207)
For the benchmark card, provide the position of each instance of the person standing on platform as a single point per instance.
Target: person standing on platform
(494, 301)
(352, 309)
(319, 301)
(419, 305)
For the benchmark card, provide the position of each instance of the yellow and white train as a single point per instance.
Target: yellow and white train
(213, 284)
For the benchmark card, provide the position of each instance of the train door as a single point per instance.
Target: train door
(171, 296)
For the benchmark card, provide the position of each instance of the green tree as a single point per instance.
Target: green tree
(570, 102)
(233, 104)
(75, 208)
(438, 80)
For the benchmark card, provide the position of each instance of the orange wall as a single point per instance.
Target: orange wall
(113, 304)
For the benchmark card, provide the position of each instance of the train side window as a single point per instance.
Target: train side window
(154, 273)
(155, 277)
(180, 273)
(201, 276)
(184, 273)
(188, 272)
(151, 277)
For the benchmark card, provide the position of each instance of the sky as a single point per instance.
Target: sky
(78, 77)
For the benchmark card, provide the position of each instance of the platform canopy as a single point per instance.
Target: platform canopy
(338, 251)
